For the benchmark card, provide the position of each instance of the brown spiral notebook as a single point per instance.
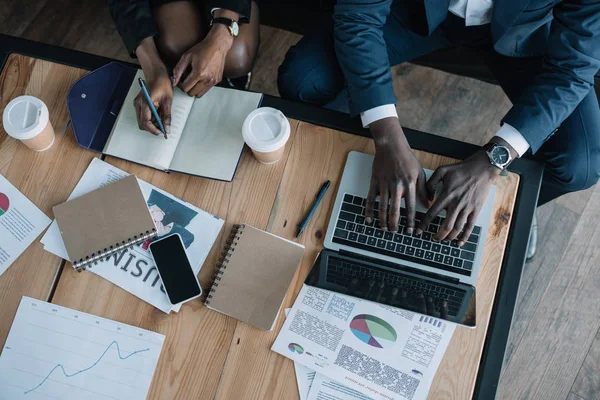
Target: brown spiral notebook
(253, 276)
(104, 221)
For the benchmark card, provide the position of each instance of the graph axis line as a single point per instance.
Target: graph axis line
(88, 368)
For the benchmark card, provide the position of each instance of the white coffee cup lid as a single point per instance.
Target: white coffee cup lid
(266, 129)
(25, 117)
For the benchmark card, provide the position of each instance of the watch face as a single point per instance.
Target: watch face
(235, 29)
(500, 155)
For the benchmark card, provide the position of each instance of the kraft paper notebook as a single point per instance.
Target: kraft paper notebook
(253, 276)
(104, 221)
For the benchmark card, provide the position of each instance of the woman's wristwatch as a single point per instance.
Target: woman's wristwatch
(234, 28)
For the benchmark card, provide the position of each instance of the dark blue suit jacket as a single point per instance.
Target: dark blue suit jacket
(566, 33)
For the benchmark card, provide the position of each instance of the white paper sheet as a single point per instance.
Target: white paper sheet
(54, 352)
(20, 223)
(325, 388)
(380, 351)
(134, 270)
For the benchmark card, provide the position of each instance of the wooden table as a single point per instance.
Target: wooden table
(206, 354)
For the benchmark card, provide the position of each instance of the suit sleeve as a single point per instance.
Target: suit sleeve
(242, 7)
(568, 72)
(362, 54)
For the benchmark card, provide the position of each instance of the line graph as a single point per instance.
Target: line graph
(54, 352)
(88, 368)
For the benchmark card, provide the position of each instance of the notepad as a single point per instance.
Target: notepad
(205, 137)
(253, 276)
(104, 221)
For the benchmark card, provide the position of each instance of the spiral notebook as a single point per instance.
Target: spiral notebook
(253, 276)
(104, 221)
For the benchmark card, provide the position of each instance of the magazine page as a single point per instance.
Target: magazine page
(380, 351)
(133, 269)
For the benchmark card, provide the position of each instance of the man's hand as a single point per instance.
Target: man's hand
(396, 174)
(206, 62)
(465, 189)
(161, 92)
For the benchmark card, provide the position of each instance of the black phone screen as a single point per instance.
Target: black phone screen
(174, 268)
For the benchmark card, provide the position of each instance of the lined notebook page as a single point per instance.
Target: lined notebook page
(127, 141)
(212, 141)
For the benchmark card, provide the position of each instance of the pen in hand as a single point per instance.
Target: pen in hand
(151, 105)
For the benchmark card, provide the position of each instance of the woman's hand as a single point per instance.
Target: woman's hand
(160, 87)
(161, 92)
(205, 62)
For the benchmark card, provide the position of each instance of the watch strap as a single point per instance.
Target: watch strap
(222, 20)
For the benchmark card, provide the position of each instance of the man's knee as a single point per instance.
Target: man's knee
(302, 77)
(580, 171)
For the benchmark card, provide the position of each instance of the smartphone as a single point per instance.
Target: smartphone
(174, 269)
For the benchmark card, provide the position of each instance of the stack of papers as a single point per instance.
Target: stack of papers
(361, 349)
(133, 269)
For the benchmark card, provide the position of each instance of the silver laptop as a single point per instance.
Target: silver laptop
(407, 271)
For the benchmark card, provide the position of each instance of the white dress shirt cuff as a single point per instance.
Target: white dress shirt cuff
(377, 113)
(514, 138)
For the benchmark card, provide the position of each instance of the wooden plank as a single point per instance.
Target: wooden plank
(198, 339)
(253, 371)
(274, 43)
(565, 322)
(416, 89)
(46, 178)
(463, 110)
(557, 221)
(573, 396)
(587, 383)
(16, 17)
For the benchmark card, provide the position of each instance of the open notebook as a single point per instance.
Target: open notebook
(205, 137)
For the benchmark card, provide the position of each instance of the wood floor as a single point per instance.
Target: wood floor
(554, 347)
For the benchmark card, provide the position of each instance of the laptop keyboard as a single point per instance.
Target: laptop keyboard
(352, 230)
(341, 272)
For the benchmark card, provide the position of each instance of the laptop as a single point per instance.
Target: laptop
(396, 269)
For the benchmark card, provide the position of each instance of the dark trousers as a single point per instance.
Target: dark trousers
(311, 73)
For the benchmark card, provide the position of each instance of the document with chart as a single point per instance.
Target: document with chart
(20, 223)
(380, 351)
(54, 352)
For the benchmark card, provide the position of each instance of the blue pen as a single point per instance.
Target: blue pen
(151, 105)
(313, 208)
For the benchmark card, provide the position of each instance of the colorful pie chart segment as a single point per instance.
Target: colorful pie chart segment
(296, 348)
(4, 203)
(373, 331)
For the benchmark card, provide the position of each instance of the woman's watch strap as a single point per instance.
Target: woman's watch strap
(231, 24)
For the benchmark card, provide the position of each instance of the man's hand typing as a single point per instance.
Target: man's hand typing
(396, 174)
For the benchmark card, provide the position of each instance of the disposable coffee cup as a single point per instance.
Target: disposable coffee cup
(26, 118)
(266, 131)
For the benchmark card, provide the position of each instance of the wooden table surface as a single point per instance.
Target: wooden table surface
(206, 354)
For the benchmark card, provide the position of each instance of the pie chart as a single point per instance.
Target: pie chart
(3, 203)
(296, 348)
(373, 331)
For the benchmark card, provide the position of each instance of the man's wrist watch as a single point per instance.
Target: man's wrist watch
(234, 28)
(499, 155)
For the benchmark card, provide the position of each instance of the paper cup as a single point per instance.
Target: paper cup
(26, 118)
(266, 131)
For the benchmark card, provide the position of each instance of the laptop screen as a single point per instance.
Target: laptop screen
(394, 285)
